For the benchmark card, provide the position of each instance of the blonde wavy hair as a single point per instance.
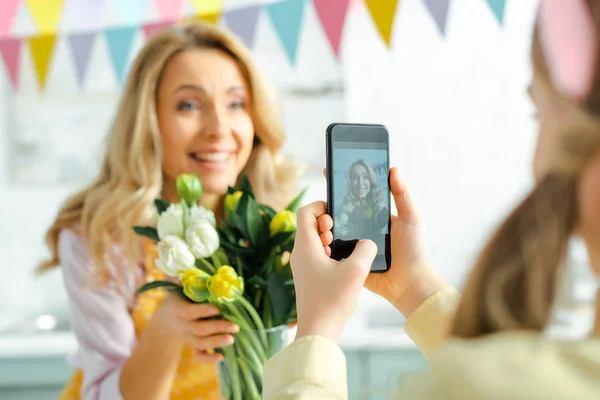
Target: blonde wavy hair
(131, 175)
(515, 280)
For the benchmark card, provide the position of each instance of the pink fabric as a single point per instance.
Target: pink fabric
(100, 317)
(568, 36)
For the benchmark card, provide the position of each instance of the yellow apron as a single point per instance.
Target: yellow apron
(194, 381)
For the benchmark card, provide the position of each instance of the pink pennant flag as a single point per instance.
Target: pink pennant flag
(152, 29)
(169, 10)
(8, 11)
(11, 51)
(332, 14)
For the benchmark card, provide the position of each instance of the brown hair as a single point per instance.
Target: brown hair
(131, 174)
(514, 283)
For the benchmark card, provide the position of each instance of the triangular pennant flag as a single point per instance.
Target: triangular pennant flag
(45, 14)
(81, 47)
(8, 11)
(210, 18)
(130, 12)
(207, 7)
(83, 15)
(119, 42)
(439, 12)
(383, 13)
(151, 29)
(498, 7)
(169, 10)
(10, 49)
(41, 48)
(242, 22)
(332, 14)
(287, 18)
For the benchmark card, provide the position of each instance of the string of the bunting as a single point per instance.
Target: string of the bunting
(84, 21)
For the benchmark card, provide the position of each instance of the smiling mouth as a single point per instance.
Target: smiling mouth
(215, 157)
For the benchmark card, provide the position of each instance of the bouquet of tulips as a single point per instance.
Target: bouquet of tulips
(240, 266)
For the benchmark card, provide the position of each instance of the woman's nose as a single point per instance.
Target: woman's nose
(216, 124)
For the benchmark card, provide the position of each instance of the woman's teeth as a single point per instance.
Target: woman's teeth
(212, 157)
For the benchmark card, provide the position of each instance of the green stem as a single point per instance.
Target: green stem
(234, 373)
(250, 384)
(253, 361)
(255, 318)
(211, 268)
(260, 348)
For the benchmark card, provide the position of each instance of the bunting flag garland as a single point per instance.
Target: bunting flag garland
(383, 13)
(286, 17)
(81, 21)
(10, 49)
(45, 14)
(130, 12)
(498, 7)
(439, 12)
(169, 10)
(243, 22)
(151, 29)
(119, 42)
(84, 14)
(8, 11)
(41, 48)
(332, 14)
(81, 47)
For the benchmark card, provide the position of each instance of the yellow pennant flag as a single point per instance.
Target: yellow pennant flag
(41, 48)
(383, 13)
(207, 10)
(45, 14)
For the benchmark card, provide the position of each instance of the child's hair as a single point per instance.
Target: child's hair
(375, 195)
(131, 175)
(514, 283)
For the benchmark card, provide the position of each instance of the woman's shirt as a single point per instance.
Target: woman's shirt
(503, 366)
(100, 315)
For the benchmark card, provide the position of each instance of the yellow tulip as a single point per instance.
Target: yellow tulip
(283, 221)
(225, 285)
(232, 201)
(195, 284)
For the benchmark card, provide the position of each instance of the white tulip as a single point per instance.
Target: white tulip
(202, 213)
(202, 238)
(170, 222)
(174, 256)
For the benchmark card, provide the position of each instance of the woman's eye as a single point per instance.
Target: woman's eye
(238, 105)
(187, 106)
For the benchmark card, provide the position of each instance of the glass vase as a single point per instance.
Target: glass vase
(241, 373)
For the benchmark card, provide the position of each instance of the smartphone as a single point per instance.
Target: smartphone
(358, 195)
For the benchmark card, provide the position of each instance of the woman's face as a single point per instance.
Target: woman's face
(360, 181)
(203, 116)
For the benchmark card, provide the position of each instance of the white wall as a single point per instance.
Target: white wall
(456, 107)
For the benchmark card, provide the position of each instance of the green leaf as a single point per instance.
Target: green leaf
(147, 231)
(280, 239)
(282, 298)
(289, 282)
(239, 222)
(246, 186)
(257, 280)
(157, 284)
(268, 211)
(161, 205)
(231, 190)
(295, 204)
(254, 221)
(227, 233)
(237, 250)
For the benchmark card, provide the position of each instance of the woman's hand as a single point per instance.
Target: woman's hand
(184, 321)
(326, 290)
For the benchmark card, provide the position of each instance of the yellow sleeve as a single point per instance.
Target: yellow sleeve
(311, 368)
(429, 324)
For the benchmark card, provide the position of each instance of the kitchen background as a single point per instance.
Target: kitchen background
(451, 88)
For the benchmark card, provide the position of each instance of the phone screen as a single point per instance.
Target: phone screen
(358, 195)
